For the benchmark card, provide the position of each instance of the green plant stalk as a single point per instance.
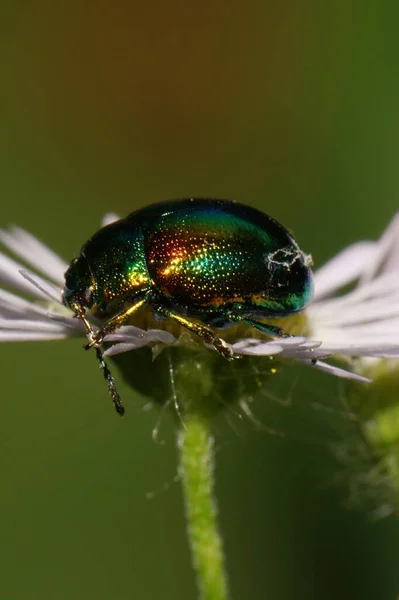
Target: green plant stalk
(197, 380)
(195, 444)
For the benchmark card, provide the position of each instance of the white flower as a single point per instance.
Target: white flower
(361, 323)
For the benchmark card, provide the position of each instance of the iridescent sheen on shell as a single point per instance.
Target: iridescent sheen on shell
(203, 258)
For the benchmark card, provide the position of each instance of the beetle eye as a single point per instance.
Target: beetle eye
(87, 298)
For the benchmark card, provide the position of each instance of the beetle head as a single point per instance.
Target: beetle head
(79, 285)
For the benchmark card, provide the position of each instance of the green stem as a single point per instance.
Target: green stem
(196, 447)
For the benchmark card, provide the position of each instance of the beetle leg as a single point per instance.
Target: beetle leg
(203, 332)
(113, 323)
(272, 330)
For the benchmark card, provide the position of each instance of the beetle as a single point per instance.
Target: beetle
(205, 263)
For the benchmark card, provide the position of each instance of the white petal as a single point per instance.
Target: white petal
(70, 322)
(244, 343)
(27, 325)
(309, 345)
(266, 349)
(289, 346)
(363, 348)
(34, 253)
(48, 289)
(290, 342)
(385, 288)
(344, 268)
(123, 347)
(392, 260)
(378, 330)
(338, 372)
(386, 257)
(109, 218)
(129, 333)
(30, 336)
(14, 306)
(129, 337)
(10, 275)
(369, 312)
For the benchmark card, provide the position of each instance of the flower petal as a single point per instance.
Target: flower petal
(27, 325)
(45, 287)
(34, 253)
(12, 306)
(363, 348)
(344, 268)
(10, 275)
(342, 373)
(288, 346)
(30, 336)
(367, 313)
(386, 257)
(123, 347)
(70, 322)
(129, 337)
(266, 349)
(385, 288)
(132, 334)
(109, 218)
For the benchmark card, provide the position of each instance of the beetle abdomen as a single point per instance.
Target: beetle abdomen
(211, 255)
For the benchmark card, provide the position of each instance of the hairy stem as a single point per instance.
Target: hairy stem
(196, 467)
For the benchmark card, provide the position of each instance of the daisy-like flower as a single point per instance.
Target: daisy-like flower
(363, 322)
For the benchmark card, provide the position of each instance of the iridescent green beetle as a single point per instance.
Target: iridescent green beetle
(205, 263)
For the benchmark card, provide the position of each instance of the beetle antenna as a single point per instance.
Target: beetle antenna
(116, 399)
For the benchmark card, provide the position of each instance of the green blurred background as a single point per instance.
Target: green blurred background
(291, 107)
